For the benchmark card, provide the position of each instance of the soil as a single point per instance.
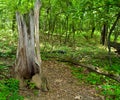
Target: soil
(63, 85)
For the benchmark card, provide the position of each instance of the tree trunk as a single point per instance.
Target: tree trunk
(116, 34)
(92, 33)
(109, 35)
(66, 35)
(103, 34)
(13, 23)
(28, 60)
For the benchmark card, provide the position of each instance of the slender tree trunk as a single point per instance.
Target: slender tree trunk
(109, 35)
(103, 34)
(116, 34)
(28, 60)
(92, 33)
(73, 32)
(66, 35)
(13, 23)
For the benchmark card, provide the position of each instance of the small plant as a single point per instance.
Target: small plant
(110, 89)
(30, 84)
(77, 72)
(93, 78)
(9, 89)
(44, 56)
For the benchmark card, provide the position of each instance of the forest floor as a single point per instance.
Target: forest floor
(63, 85)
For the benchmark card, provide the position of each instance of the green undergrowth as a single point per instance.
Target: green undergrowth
(9, 89)
(56, 53)
(85, 50)
(88, 51)
(106, 86)
(96, 55)
(103, 62)
(8, 43)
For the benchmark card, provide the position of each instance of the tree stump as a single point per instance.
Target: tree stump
(28, 60)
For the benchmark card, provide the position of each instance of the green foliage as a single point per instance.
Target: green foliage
(111, 91)
(9, 89)
(90, 77)
(54, 52)
(94, 79)
(64, 23)
(8, 43)
(107, 87)
(115, 68)
(22, 6)
(77, 72)
(2, 67)
(45, 56)
(30, 84)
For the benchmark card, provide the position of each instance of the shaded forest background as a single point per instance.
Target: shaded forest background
(79, 32)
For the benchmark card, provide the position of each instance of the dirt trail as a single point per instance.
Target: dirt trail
(63, 86)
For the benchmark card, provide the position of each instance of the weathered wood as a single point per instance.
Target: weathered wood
(94, 69)
(28, 59)
(36, 22)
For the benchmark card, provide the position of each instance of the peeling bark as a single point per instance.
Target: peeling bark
(28, 60)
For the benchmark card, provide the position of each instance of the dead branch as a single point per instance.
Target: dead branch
(94, 69)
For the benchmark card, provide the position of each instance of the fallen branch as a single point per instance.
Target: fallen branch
(76, 61)
(94, 69)
(100, 71)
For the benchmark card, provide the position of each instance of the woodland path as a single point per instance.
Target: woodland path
(63, 85)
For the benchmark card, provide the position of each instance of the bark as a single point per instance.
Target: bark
(66, 35)
(92, 33)
(28, 60)
(109, 35)
(116, 34)
(13, 23)
(73, 32)
(103, 34)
